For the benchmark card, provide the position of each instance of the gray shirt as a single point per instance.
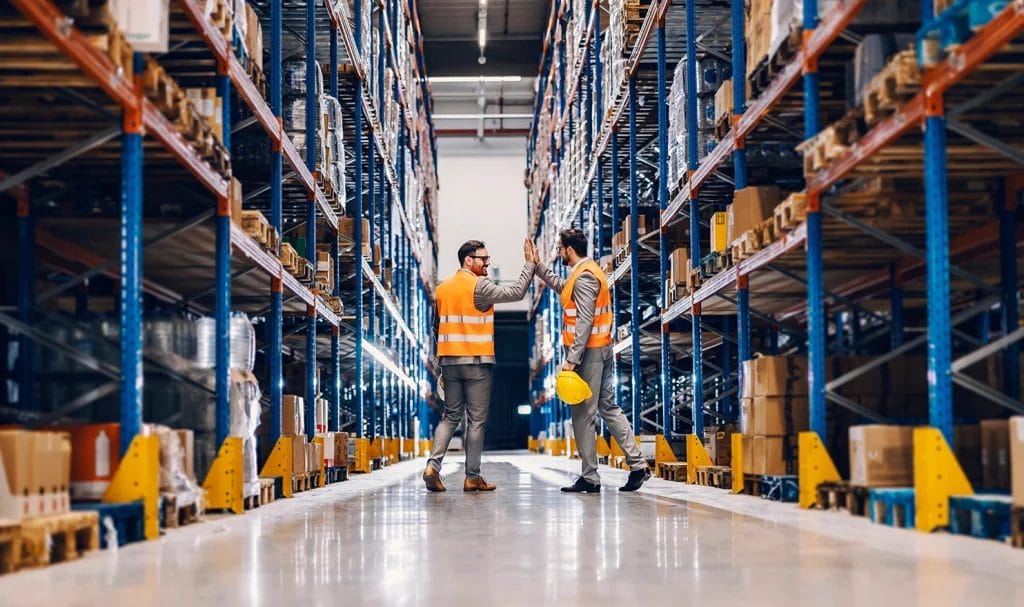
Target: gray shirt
(486, 294)
(584, 295)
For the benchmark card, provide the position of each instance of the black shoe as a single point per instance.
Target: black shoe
(582, 486)
(636, 479)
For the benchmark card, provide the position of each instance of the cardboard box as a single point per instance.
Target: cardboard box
(1016, 437)
(882, 456)
(723, 100)
(346, 232)
(746, 416)
(188, 452)
(316, 457)
(293, 415)
(774, 376)
(747, 443)
(719, 232)
(298, 454)
(769, 415)
(719, 443)
(750, 206)
(145, 23)
(341, 449)
(967, 447)
(679, 263)
(235, 194)
(627, 227)
(995, 453)
(768, 456)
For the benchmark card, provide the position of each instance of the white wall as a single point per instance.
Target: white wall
(482, 197)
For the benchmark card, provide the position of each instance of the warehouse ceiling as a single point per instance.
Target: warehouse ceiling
(515, 31)
(465, 104)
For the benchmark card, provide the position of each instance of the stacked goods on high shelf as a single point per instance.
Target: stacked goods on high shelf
(199, 127)
(954, 22)
(749, 216)
(247, 41)
(711, 73)
(621, 247)
(613, 52)
(366, 30)
(254, 223)
(773, 32)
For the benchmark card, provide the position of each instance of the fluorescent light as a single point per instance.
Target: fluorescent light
(472, 79)
(524, 409)
(483, 37)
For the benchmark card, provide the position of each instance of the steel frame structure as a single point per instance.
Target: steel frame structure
(396, 356)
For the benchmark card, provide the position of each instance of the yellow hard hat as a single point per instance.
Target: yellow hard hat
(571, 388)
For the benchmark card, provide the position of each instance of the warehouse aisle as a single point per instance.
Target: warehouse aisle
(382, 540)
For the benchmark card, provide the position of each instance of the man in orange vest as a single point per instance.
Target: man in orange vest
(587, 338)
(465, 350)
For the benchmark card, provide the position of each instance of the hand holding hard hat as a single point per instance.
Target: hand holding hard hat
(571, 388)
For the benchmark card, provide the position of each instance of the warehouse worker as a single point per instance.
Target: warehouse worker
(465, 350)
(587, 338)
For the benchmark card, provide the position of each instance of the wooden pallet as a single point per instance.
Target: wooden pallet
(747, 244)
(256, 225)
(774, 61)
(722, 125)
(220, 16)
(715, 262)
(715, 476)
(61, 537)
(268, 491)
(857, 500)
(177, 516)
(767, 232)
(1017, 526)
(10, 545)
(898, 81)
(301, 482)
(289, 258)
(982, 516)
(259, 79)
(831, 495)
(752, 484)
(893, 506)
(334, 303)
(305, 272)
(790, 213)
(677, 292)
(828, 145)
(117, 49)
(672, 471)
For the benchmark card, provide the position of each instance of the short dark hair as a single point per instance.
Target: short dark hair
(468, 248)
(574, 238)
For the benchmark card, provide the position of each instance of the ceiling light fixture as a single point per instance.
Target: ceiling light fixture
(481, 26)
(472, 79)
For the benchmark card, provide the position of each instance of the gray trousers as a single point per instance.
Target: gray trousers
(598, 370)
(467, 388)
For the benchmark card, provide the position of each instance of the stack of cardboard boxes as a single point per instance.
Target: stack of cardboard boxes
(311, 456)
(35, 474)
(750, 207)
(773, 411)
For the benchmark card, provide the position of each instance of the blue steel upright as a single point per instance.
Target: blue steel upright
(1008, 315)
(663, 253)
(940, 380)
(131, 272)
(370, 397)
(357, 233)
(274, 336)
(26, 282)
(222, 281)
(739, 155)
(614, 227)
(312, 113)
(634, 258)
(817, 323)
(697, 354)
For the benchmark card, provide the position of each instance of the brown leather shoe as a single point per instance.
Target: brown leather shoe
(432, 479)
(477, 484)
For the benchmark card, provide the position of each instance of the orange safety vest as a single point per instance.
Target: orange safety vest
(463, 330)
(601, 335)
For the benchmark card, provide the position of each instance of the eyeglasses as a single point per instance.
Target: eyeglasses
(486, 258)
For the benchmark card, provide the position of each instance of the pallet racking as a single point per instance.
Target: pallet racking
(206, 263)
(850, 278)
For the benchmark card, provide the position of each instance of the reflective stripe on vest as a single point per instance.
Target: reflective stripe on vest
(601, 331)
(462, 329)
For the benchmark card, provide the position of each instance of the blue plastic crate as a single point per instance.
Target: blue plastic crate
(782, 488)
(893, 506)
(128, 518)
(984, 516)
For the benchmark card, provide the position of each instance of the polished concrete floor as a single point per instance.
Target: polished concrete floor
(382, 540)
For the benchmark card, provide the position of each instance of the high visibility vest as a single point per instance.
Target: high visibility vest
(463, 330)
(601, 334)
